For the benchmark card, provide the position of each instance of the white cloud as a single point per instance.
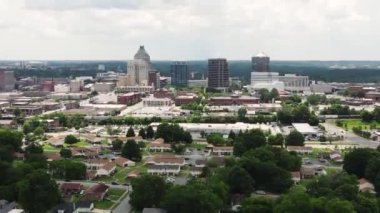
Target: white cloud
(189, 29)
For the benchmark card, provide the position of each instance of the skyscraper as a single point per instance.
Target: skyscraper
(260, 63)
(7, 80)
(179, 72)
(139, 68)
(218, 73)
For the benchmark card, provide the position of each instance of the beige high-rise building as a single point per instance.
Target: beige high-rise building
(139, 68)
(125, 80)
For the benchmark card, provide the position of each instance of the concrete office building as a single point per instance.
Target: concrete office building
(154, 79)
(7, 80)
(76, 85)
(218, 73)
(179, 72)
(260, 63)
(295, 83)
(139, 68)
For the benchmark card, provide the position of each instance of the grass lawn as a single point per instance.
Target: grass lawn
(357, 122)
(115, 194)
(81, 144)
(50, 148)
(121, 174)
(104, 204)
(197, 145)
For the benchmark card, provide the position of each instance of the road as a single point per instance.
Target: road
(124, 206)
(349, 136)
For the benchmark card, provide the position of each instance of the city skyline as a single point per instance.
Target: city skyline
(189, 30)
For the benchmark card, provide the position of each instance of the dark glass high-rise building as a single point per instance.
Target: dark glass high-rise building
(180, 74)
(218, 73)
(260, 63)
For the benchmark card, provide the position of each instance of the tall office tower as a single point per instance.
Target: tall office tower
(218, 74)
(260, 63)
(7, 80)
(139, 68)
(179, 72)
(154, 79)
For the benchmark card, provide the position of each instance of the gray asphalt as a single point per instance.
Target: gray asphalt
(349, 136)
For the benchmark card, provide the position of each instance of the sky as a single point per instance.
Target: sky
(189, 29)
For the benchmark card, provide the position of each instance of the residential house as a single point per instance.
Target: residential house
(309, 171)
(366, 186)
(52, 156)
(222, 150)
(96, 192)
(170, 170)
(160, 147)
(296, 176)
(336, 157)
(80, 207)
(56, 141)
(84, 152)
(302, 150)
(124, 162)
(7, 124)
(106, 170)
(200, 163)
(69, 188)
(196, 171)
(167, 159)
(6, 206)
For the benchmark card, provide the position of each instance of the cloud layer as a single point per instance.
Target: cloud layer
(190, 29)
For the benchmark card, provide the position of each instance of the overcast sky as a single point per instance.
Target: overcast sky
(190, 29)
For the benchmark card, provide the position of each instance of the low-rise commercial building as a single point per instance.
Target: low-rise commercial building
(104, 87)
(157, 102)
(129, 98)
(185, 99)
(232, 100)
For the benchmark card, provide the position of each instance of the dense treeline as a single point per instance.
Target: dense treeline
(316, 70)
(26, 182)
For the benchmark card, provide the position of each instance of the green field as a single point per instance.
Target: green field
(349, 123)
(50, 148)
(104, 204)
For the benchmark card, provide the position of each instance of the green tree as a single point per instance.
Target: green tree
(130, 132)
(216, 139)
(34, 148)
(294, 139)
(71, 139)
(142, 133)
(337, 205)
(276, 140)
(149, 132)
(117, 144)
(257, 205)
(366, 116)
(38, 193)
(148, 191)
(65, 153)
(39, 131)
(356, 161)
(232, 135)
(240, 181)
(68, 169)
(182, 199)
(297, 201)
(242, 112)
(131, 150)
